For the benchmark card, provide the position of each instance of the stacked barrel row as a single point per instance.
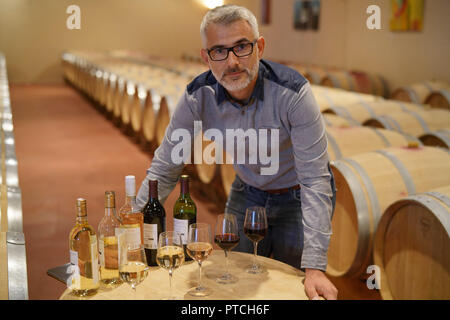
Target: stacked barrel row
(433, 93)
(374, 167)
(13, 266)
(349, 80)
(140, 96)
(392, 207)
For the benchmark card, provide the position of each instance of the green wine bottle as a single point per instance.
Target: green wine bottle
(184, 212)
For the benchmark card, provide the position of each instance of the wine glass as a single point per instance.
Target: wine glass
(255, 228)
(133, 268)
(227, 238)
(170, 254)
(199, 247)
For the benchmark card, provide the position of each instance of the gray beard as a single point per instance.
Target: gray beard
(240, 84)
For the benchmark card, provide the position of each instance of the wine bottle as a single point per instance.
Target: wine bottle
(83, 255)
(154, 223)
(131, 217)
(184, 212)
(108, 242)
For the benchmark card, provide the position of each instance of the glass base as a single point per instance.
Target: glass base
(227, 279)
(200, 292)
(255, 269)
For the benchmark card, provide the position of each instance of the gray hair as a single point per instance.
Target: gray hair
(226, 15)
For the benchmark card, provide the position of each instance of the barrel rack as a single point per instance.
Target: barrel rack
(13, 265)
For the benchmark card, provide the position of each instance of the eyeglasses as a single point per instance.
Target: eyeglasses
(239, 50)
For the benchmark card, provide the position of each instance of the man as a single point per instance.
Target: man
(242, 91)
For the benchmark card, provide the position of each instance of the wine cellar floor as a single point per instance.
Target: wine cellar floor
(67, 149)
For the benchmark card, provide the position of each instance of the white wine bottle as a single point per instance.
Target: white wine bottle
(130, 215)
(108, 242)
(83, 255)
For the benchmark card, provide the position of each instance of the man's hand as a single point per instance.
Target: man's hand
(317, 284)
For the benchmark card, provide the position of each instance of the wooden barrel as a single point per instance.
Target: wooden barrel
(128, 95)
(329, 97)
(440, 138)
(415, 123)
(119, 94)
(367, 184)
(207, 172)
(111, 92)
(333, 120)
(348, 141)
(98, 85)
(439, 99)
(299, 68)
(315, 75)
(370, 83)
(339, 79)
(412, 247)
(361, 111)
(141, 100)
(105, 87)
(151, 109)
(418, 92)
(166, 108)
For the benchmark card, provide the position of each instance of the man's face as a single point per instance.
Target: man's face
(233, 73)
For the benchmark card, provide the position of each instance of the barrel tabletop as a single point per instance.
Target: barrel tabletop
(279, 282)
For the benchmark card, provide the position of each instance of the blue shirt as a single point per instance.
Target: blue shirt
(282, 101)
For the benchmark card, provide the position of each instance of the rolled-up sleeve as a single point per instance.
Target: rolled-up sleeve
(162, 167)
(311, 164)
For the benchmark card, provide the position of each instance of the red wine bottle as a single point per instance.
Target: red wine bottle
(154, 223)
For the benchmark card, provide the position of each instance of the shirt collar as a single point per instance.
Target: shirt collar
(258, 90)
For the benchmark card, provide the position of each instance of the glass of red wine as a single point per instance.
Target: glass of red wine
(226, 236)
(255, 228)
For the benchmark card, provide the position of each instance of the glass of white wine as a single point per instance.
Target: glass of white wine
(133, 268)
(199, 247)
(170, 254)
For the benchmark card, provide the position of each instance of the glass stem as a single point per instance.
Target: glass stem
(226, 262)
(255, 248)
(170, 283)
(200, 276)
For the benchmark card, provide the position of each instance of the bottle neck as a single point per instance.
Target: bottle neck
(110, 212)
(82, 219)
(153, 190)
(130, 199)
(184, 188)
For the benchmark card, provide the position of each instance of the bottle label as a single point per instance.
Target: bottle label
(150, 236)
(73, 282)
(121, 239)
(101, 252)
(94, 259)
(133, 236)
(182, 227)
(73, 257)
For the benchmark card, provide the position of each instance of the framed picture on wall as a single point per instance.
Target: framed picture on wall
(306, 14)
(407, 15)
(265, 11)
